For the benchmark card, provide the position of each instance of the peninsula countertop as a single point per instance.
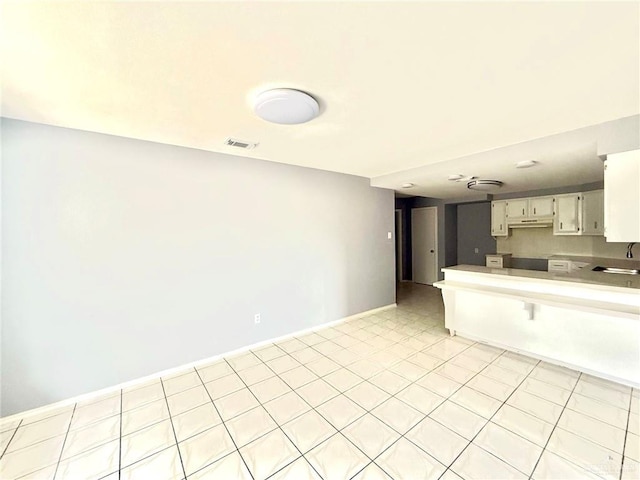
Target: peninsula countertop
(584, 276)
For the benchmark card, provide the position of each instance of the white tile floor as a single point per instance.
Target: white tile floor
(386, 396)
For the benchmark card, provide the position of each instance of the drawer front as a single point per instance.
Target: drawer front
(495, 262)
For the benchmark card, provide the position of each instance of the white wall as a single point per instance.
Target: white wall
(123, 257)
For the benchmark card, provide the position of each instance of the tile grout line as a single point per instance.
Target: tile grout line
(173, 429)
(225, 427)
(55, 473)
(626, 433)
(544, 449)
(12, 436)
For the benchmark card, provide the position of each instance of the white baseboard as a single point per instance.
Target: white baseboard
(175, 370)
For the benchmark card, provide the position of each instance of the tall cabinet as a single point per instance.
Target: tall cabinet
(499, 218)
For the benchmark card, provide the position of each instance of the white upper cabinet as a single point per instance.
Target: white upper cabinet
(622, 197)
(499, 219)
(593, 213)
(518, 208)
(540, 207)
(567, 214)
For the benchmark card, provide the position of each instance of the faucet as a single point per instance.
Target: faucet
(629, 247)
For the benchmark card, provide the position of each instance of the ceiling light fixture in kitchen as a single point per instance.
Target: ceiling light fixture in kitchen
(408, 185)
(484, 185)
(526, 164)
(286, 106)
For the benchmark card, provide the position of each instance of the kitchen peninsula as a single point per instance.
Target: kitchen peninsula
(585, 320)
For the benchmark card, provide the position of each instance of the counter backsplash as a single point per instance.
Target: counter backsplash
(541, 243)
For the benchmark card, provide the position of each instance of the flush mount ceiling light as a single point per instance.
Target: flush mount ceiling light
(484, 185)
(526, 164)
(286, 106)
(408, 185)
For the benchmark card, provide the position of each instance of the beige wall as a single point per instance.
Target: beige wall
(541, 243)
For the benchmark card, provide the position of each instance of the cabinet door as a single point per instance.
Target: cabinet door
(567, 214)
(622, 197)
(517, 208)
(498, 220)
(593, 213)
(540, 207)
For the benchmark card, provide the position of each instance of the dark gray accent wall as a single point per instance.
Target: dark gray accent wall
(474, 231)
(122, 258)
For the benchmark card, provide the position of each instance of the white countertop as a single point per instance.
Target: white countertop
(583, 276)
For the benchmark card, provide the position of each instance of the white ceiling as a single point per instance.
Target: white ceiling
(401, 85)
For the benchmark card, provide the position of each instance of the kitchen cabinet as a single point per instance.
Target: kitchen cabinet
(518, 208)
(593, 213)
(567, 214)
(540, 207)
(622, 197)
(498, 219)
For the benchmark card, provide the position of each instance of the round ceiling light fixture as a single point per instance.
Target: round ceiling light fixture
(526, 164)
(286, 106)
(484, 185)
(408, 185)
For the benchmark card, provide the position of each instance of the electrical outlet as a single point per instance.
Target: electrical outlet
(477, 251)
(256, 318)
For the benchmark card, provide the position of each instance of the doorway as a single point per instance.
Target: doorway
(399, 253)
(424, 245)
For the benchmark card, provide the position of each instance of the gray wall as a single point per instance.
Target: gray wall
(474, 231)
(122, 258)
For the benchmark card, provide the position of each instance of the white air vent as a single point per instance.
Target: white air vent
(233, 142)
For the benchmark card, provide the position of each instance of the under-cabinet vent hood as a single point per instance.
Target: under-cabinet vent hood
(530, 223)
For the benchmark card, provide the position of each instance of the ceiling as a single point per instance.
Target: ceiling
(402, 86)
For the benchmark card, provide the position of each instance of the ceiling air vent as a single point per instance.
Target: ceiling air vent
(233, 142)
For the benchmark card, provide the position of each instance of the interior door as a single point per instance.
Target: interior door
(424, 245)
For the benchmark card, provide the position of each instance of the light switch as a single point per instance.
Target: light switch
(476, 250)
(389, 235)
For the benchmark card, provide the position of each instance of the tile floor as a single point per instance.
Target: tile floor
(386, 396)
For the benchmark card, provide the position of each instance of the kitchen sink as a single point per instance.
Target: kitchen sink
(624, 271)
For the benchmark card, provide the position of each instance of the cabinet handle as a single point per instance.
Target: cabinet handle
(523, 212)
(500, 227)
(595, 224)
(534, 210)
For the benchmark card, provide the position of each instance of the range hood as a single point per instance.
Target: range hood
(530, 223)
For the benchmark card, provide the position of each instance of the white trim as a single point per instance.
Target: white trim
(181, 368)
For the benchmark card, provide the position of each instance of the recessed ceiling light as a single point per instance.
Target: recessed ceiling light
(484, 185)
(455, 176)
(408, 185)
(286, 106)
(526, 164)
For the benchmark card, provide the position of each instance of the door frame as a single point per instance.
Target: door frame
(399, 250)
(435, 229)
